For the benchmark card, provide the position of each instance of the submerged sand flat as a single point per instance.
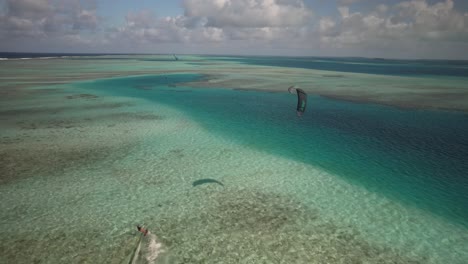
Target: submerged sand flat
(436, 92)
(80, 168)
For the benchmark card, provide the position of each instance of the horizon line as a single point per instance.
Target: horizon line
(219, 54)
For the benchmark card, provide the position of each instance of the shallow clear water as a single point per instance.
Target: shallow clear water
(412, 155)
(346, 182)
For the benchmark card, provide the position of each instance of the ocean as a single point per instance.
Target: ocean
(373, 172)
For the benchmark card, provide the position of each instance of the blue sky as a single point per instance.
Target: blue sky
(370, 28)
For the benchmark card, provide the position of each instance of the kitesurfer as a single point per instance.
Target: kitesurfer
(142, 230)
(301, 100)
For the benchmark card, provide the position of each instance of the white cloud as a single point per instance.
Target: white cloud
(248, 25)
(143, 28)
(436, 21)
(142, 19)
(347, 2)
(219, 21)
(86, 19)
(382, 8)
(406, 22)
(344, 11)
(28, 8)
(326, 24)
(47, 18)
(249, 13)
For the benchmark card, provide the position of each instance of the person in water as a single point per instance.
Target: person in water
(142, 230)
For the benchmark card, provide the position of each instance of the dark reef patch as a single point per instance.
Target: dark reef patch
(108, 105)
(134, 116)
(81, 96)
(6, 140)
(19, 91)
(32, 111)
(49, 160)
(68, 123)
(38, 111)
(64, 246)
(259, 211)
(333, 75)
(239, 226)
(49, 124)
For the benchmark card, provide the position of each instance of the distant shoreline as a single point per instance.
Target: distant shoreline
(31, 55)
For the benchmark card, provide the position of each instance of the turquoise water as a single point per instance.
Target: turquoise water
(415, 156)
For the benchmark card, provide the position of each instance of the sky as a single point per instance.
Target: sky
(421, 29)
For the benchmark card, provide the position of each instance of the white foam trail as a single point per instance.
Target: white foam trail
(154, 249)
(137, 252)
